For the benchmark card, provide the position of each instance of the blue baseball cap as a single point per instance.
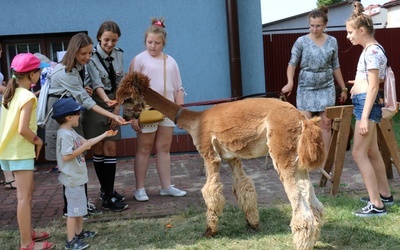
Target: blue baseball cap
(65, 107)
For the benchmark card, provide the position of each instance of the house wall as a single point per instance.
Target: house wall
(393, 15)
(197, 36)
(337, 17)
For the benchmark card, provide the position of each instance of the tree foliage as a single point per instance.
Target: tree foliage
(327, 2)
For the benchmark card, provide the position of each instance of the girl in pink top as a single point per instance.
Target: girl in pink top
(152, 62)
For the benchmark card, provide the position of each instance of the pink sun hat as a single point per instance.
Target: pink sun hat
(26, 62)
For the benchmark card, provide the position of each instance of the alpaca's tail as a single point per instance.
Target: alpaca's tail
(310, 146)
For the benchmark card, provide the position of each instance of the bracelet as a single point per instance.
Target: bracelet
(344, 89)
(35, 139)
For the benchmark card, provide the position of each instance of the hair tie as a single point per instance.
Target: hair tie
(159, 23)
(14, 76)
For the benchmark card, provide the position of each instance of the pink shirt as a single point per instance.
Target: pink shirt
(154, 69)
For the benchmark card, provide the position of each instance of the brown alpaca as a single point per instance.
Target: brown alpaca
(246, 129)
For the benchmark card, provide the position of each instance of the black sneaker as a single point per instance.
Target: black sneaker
(76, 244)
(370, 210)
(86, 234)
(119, 197)
(114, 205)
(92, 210)
(385, 200)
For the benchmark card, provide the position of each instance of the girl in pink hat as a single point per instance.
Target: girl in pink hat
(18, 126)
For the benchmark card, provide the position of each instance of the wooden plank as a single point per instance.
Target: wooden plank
(336, 111)
(390, 139)
(383, 147)
(343, 135)
(330, 157)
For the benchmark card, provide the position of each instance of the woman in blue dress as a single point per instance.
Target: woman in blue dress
(317, 54)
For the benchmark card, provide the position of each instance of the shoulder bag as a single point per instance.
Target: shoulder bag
(150, 115)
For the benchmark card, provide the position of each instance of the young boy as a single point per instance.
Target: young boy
(72, 165)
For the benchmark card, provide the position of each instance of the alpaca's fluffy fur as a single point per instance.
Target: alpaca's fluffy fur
(247, 129)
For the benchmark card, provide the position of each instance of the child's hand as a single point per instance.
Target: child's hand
(120, 120)
(38, 147)
(111, 103)
(89, 90)
(87, 144)
(111, 132)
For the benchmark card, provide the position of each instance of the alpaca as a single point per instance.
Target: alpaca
(246, 129)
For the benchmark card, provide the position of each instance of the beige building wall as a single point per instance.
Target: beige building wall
(393, 17)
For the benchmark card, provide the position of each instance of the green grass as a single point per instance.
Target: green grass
(396, 127)
(342, 230)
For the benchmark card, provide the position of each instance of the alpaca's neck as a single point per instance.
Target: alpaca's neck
(169, 109)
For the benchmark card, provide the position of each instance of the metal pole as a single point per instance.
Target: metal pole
(234, 48)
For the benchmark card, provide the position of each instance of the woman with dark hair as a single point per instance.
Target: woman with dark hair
(105, 70)
(317, 55)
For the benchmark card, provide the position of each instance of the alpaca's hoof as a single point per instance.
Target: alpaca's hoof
(209, 233)
(253, 228)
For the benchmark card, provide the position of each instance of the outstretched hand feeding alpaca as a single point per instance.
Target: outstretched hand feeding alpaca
(246, 129)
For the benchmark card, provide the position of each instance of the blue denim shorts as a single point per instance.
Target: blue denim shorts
(359, 102)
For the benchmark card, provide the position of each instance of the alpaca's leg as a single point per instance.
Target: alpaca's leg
(213, 196)
(299, 190)
(245, 193)
(318, 211)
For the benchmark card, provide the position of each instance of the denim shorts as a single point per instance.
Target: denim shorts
(359, 102)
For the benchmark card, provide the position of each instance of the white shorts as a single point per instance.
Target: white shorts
(152, 127)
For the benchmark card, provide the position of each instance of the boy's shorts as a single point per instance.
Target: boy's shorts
(15, 165)
(77, 201)
(359, 102)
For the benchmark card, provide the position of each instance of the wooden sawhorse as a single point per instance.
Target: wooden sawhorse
(341, 120)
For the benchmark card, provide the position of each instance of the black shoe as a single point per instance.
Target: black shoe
(86, 234)
(76, 244)
(385, 200)
(92, 210)
(370, 210)
(114, 205)
(119, 197)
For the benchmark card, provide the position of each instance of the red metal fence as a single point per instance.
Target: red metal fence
(277, 49)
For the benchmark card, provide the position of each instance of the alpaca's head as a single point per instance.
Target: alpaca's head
(130, 94)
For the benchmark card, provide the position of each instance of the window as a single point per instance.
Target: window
(46, 44)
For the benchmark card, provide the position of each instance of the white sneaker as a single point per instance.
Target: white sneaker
(140, 195)
(172, 191)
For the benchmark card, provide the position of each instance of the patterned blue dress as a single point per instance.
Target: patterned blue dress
(316, 88)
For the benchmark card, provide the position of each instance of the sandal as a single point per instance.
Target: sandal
(46, 246)
(41, 236)
(9, 185)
